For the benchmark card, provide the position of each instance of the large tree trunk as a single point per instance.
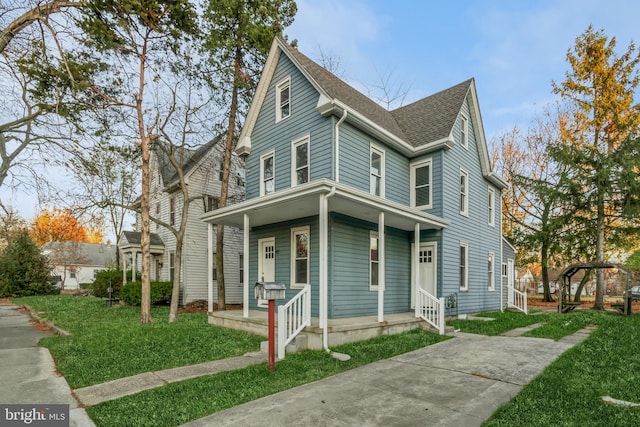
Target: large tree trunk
(226, 172)
(600, 290)
(145, 236)
(583, 282)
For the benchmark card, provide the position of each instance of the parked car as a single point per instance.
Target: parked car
(635, 293)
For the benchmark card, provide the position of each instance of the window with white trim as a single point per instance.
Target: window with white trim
(376, 168)
(267, 174)
(464, 267)
(172, 210)
(464, 192)
(504, 269)
(283, 99)
(490, 273)
(300, 162)
(373, 261)
(492, 206)
(241, 263)
(464, 131)
(214, 266)
(172, 265)
(299, 256)
(421, 185)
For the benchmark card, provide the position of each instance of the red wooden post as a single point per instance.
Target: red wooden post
(272, 335)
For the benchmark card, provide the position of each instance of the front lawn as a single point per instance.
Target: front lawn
(107, 343)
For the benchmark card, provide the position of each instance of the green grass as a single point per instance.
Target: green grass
(504, 321)
(110, 343)
(569, 391)
(193, 399)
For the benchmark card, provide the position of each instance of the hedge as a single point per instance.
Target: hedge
(131, 293)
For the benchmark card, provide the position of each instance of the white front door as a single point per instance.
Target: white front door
(427, 263)
(266, 263)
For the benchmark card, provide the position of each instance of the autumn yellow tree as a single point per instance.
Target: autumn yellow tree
(61, 225)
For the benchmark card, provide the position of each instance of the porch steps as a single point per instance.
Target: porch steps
(299, 343)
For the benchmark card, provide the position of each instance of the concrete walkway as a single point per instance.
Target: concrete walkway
(27, 373)
(458, 382)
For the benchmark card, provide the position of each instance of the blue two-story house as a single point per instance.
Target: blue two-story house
(371, 213)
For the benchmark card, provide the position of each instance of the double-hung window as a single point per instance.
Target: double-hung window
(464, 131)
(300, 163)
(283, 99)
(172, 211)
(267, 174)
(464, 267)
(373, 261)
(299, 257)
(492, 206)
(490, 273)
(464, 192)
(421, 185)
(376, 186)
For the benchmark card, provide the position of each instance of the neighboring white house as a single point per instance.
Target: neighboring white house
(77, 263)
(202, 170)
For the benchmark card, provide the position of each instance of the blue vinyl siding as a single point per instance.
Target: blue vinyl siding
(349, 269)
(271, 136)
(472, 229)
(282, 234)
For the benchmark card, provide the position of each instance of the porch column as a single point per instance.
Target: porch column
(381, 267)
(209, 267)
(134, 265)
(245, 262)
(416, 267)
(323, 235)
(123, 254)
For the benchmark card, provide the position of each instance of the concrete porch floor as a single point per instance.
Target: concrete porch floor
(341, 331)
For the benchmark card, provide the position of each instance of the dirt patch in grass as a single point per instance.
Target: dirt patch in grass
(201, 306)
(535, 301)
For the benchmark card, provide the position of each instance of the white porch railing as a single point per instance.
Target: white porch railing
(516, 299)
(430, 309)
(293, 317)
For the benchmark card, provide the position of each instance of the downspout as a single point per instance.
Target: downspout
(337, 134)
(324, 218)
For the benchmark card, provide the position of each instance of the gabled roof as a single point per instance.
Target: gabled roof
(191, 159)
(81, 253)
(419, 127)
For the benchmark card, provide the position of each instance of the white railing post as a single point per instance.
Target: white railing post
(293, 317)
(431, 309)
(281, 331)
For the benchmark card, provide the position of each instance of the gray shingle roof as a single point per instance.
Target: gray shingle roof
(133, 237)
(427, 120)
(190, 160)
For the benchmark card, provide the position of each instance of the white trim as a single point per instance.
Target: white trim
(295, 231)
(284, 83)
(418, 165)
(261, 242)
(464, 130)
(464, 280)
(263, 190)
(374, 235)
(381, 266)
(294, 167)
(491, 193)
(464, 209)
(491, 258)
(373, 148)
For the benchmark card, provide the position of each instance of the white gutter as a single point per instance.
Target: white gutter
(337, 135)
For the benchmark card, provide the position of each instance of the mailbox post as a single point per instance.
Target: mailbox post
(271, 291)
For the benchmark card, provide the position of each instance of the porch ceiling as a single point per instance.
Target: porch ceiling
(303, 201)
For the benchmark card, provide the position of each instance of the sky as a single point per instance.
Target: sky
(513, 49)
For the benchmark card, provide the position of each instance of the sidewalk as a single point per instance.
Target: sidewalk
(27, 373)
(458, 382)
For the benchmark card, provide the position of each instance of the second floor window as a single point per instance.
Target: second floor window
(283, 100)
(377, 172)
(267, 174)
(172, 211)
(300, 161)
(464, 193)
(421, 185)
(211, 203)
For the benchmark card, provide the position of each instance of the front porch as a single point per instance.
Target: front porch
(340, 331)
